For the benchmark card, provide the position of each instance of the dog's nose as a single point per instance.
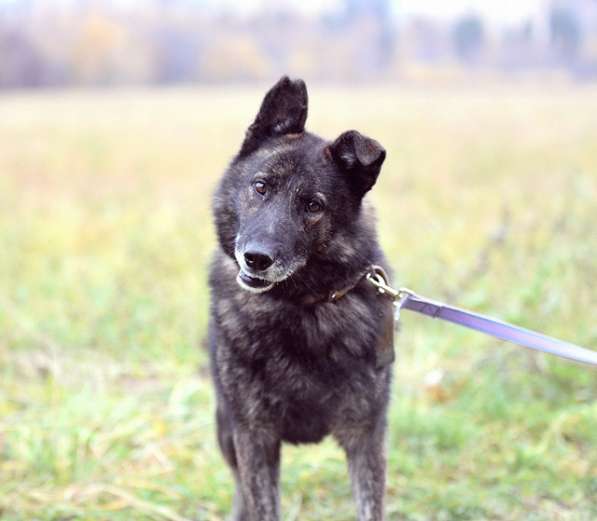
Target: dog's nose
(258, 261)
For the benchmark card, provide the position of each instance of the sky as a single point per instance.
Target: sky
(499, 11)
(496, 10)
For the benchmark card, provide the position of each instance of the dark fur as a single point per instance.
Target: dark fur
(286, 368)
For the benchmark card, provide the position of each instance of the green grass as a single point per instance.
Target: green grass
(106, 410)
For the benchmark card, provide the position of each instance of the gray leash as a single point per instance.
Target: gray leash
(406, 299)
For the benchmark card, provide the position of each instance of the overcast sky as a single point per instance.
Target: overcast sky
(499, 10)
(494, 10)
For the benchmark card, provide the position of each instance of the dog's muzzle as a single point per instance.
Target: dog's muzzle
(254, 270)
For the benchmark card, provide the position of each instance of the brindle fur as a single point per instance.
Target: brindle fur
(288, 364)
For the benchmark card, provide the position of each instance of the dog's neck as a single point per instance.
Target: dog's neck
(324, 281)
(340, 292)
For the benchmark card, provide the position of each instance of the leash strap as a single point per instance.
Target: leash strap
(407, 299)
(501, 330)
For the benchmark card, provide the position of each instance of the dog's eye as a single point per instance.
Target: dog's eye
(314, 207)
(260, 187)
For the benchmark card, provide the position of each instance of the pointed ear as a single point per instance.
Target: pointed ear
(360, 158)
(283, 111)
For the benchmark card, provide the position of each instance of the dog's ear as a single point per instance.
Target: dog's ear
(360, 158)
(283, 111)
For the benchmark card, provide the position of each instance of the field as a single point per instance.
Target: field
(488, 199)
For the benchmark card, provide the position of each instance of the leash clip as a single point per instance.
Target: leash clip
(398, 296)
(379, 281)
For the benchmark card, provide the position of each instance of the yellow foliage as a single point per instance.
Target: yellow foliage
(98, 44)
(230, 58)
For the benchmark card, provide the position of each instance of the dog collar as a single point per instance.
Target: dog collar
(336, 295)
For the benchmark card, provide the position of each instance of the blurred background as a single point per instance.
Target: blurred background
(117, 118)
(160, 42)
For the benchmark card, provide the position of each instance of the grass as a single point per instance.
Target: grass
(488, 199)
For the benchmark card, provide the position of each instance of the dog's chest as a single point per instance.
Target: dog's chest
(310, 396)
(306, 369)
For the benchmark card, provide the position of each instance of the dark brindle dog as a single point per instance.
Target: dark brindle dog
(299, 338)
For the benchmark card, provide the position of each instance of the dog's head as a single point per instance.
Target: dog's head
(288, 193)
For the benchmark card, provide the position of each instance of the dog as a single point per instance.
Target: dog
(300, 342)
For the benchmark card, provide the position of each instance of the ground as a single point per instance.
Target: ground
(487, 200)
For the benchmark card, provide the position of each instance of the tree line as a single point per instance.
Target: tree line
(177, 41)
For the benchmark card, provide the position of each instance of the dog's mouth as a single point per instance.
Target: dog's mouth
(253, 284)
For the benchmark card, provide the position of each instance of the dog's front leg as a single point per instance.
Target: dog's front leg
(258, 455)
(367, 466)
